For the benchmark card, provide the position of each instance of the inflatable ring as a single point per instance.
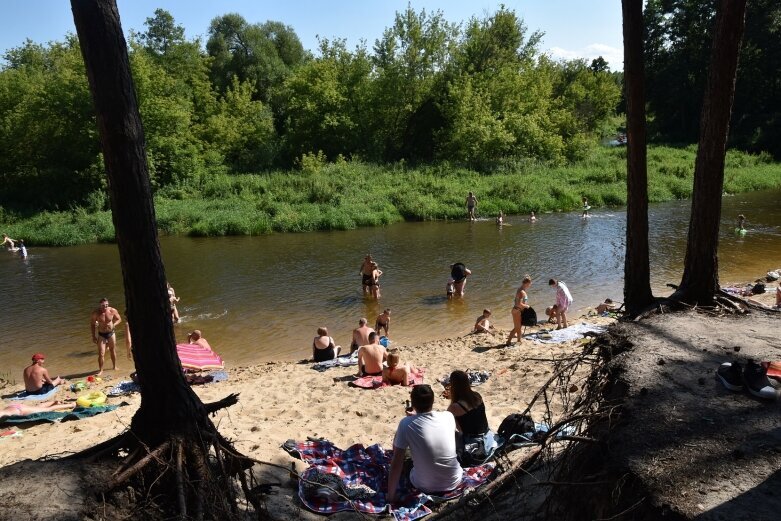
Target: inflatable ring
(91, 399)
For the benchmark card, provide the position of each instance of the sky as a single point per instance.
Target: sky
(573, 28)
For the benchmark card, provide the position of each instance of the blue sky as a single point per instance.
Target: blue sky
(573, 28)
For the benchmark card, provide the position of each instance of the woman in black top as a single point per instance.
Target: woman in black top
(467, 406)
(323, 347)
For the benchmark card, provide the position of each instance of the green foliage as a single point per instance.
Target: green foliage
(350, 194)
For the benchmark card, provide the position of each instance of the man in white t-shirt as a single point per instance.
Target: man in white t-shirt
(431, 437)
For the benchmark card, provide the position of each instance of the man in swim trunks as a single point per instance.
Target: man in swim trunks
(471, 204)
(360, 335)
(105, 319)
(367, 271)
(36, 377)
(383, 321)
(371, 356)
(7, 242)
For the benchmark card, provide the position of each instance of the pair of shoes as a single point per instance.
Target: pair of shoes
(754, 377)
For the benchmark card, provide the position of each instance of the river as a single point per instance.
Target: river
(262, 298)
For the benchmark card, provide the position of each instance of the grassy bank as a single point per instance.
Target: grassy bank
(347, 195)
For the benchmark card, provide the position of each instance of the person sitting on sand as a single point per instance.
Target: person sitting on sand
(563, 302)
(371, 356)
(23, 409)
(383, 321)
(396, 373)
(430, 436)
(360, 335)
(482, 324)
(532, 217)
(551, 312)
(323, 347)
(606, 306)
(196, 338)
(36, 377)
(466, 406)
(8, 242)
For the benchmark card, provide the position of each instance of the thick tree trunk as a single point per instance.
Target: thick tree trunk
(701, 268)
(637, 270)
(167, 403)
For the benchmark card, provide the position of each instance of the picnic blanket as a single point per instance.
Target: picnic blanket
(574, 332)
(361, 474)
(375, 382)
(24, 395)
(55, 416)
(194, 356)
(340, 361)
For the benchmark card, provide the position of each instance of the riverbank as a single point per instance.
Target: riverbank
(347, 195)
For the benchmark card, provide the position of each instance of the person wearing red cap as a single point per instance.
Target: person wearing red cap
(36, 377)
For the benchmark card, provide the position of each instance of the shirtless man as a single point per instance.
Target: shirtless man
(196, 338)
(383, 321)
(371, 356)
(36, 377)
(471, 204)
(366, 273)
(105, 319)
(360, 335)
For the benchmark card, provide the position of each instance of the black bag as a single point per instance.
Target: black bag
(529, 317)
(758, 289)
(515, 424)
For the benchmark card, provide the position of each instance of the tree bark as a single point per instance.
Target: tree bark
(168, 404)
(637, 270)
(701, 267)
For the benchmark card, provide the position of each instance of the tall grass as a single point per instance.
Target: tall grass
(346, 195)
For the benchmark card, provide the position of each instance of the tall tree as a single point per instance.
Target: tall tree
(701, 266)
(162, 32)
(171, 418)
(637, 271)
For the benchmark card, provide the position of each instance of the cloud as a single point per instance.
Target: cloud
(613, 56)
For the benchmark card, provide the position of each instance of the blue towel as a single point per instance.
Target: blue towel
(55, 416)
(24, 395)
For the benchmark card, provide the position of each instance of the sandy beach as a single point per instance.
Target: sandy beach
(283, 400)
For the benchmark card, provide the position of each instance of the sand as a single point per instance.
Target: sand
(283, 400)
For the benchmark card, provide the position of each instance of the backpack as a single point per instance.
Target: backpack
(758, 289)
(529, 317)
(515, 424)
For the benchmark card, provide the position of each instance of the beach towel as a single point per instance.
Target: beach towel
(375, 382)
(124, 387)
(24, 395)
(340, 361)
(197, 357)
(574, 332)
(55, 416)
(361, 474)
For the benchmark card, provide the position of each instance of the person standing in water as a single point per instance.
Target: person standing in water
(8, 242)
(471, 204)
(22, 249)
(459, 272)
(532, 218)
(383, 322)
(586, 208)
(741, 222)
(366, 273)
(105, 319)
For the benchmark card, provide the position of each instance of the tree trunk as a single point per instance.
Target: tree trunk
(701, 268)
(168, 404)
(637, 271)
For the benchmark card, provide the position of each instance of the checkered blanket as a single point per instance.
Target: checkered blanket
(356, 479)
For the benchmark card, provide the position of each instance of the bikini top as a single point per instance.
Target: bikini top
(525, 299)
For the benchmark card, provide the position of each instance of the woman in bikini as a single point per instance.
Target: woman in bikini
(323, 347)
(519, 304)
